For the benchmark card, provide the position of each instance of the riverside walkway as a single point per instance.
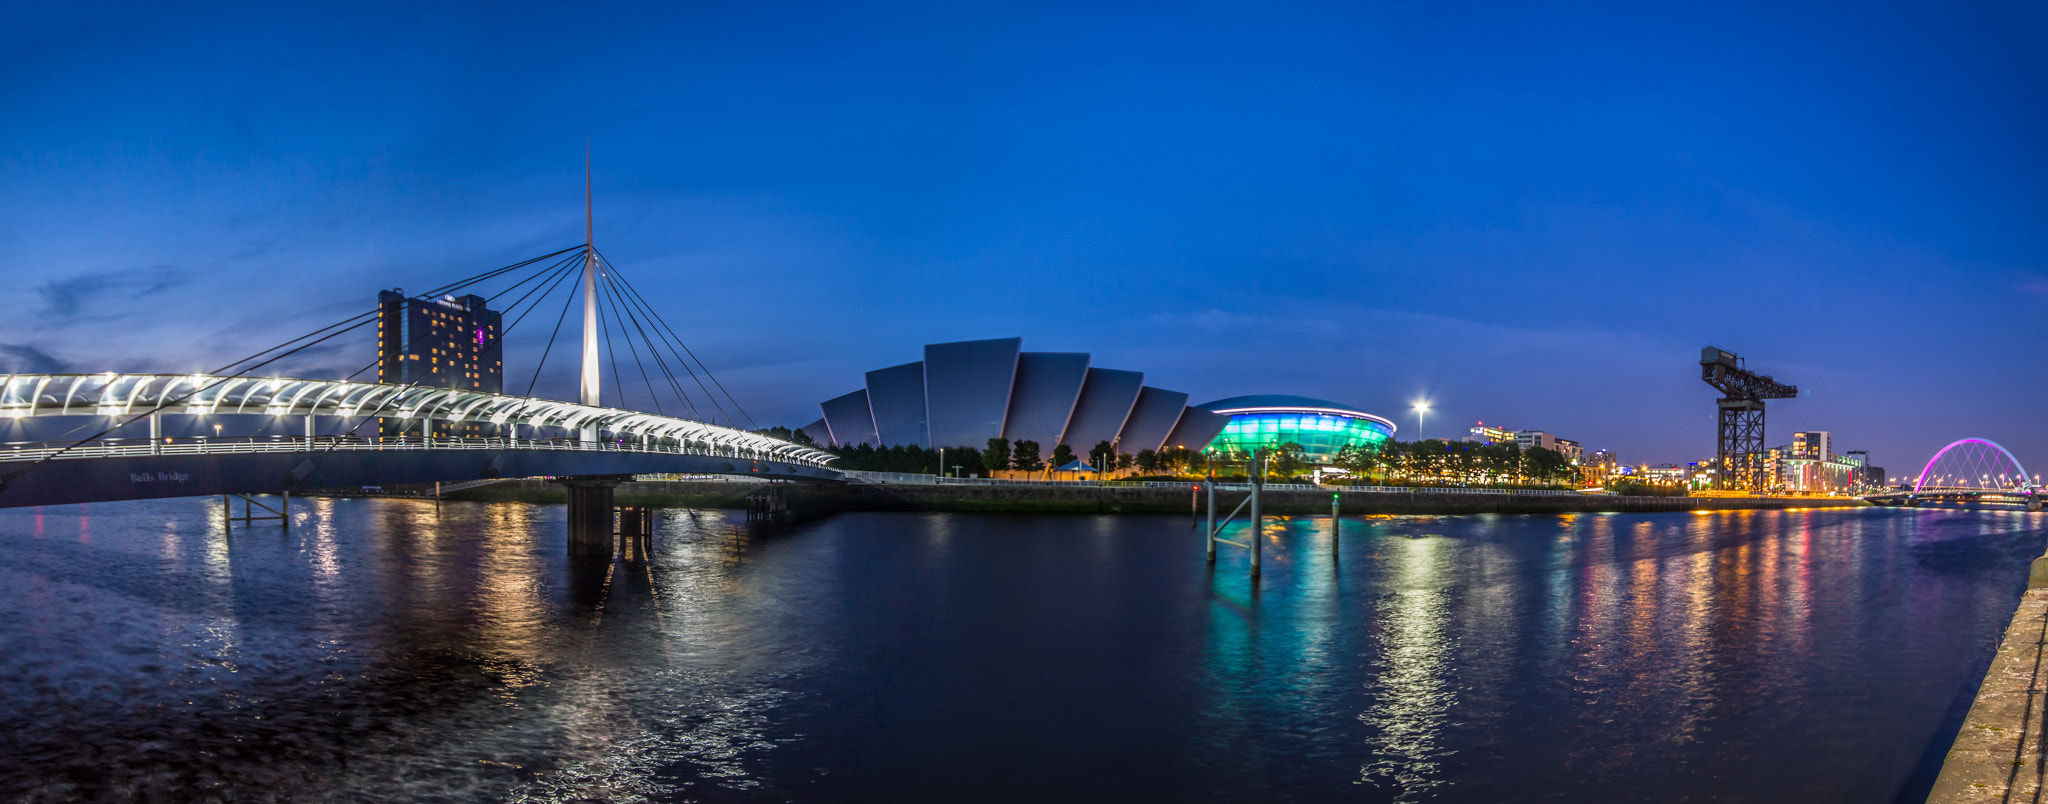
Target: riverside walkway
(1999, 752)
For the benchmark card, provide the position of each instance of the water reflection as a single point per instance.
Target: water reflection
(395, 650)
(1409, 692)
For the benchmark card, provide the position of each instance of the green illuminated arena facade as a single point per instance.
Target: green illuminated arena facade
(1320, 426)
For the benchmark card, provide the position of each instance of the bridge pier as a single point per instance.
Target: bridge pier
(636, 531)
(591, 512)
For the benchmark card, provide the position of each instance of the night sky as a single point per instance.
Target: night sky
(1531, 214)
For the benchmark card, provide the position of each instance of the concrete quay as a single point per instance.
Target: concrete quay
(1999, 752)
(1111, 499)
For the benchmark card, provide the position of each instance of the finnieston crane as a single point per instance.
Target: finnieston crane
(1739, 451)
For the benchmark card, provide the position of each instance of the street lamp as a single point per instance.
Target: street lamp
(1421, 410)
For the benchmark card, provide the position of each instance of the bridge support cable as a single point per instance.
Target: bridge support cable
(559, 272)
(604, 325)
(672, 345)
(663, 325)
(675, 386)
(617, 317)
(626, 303)
(558, 269)
(363, 319)
(567, 302)
(267, 356)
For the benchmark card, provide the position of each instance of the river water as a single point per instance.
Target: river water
(387, 649)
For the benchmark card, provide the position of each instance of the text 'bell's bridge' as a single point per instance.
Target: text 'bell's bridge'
(1970, 471)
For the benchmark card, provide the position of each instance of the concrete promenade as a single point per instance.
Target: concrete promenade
(1999, 754)
(1092, 499)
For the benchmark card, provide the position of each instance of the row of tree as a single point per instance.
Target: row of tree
(1455, 461)
(1428, 460)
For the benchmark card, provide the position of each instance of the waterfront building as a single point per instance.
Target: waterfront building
(966, 392)
(1482, 434)
(1809, 476)
(1598, 467)
(449, 342)
(1531, 439)
(1321, 427)
(1814, 445)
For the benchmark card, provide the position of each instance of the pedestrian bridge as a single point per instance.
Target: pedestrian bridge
(73, 438)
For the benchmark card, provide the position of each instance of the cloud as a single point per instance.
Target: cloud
(21, 358)
(94, 296)
(2036, 285)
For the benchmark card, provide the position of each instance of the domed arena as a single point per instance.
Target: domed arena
(1320, 426)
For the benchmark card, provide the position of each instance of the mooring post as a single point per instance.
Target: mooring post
(1194, 506)
(286, 509)
(227, 514)
(1258, 523)
(1336, 524)
(1211, 484)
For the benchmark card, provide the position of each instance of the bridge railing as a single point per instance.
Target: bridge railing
(140, 447)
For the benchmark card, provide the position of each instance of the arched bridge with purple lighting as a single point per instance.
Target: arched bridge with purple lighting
(1971, 471)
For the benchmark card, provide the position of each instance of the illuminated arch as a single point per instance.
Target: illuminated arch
(1928, 470)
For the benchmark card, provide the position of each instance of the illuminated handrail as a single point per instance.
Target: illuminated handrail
(123, 448)
(119, 397)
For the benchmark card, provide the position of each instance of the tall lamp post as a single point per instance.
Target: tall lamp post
(1421, 410)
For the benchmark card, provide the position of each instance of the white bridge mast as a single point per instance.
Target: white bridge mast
(590, 384)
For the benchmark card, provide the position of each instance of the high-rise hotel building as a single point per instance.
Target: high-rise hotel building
(449, 342)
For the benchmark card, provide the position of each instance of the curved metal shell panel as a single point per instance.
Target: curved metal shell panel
(967, 389)
(1048, 385)
(1196, 429)
(896, 395)
(1152, 418)
(1106, 399)
(849, 419)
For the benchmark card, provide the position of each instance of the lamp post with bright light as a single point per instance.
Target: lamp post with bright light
(1421, 410)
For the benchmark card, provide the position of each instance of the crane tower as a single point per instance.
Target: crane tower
(1739, 450)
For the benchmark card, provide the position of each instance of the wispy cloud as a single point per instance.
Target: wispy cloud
(22, 358)
(102, 295)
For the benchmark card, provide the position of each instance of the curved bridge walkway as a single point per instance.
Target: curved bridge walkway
(540, 438)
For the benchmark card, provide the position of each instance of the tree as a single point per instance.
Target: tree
(1546, 464)
(1148, 461)
(1024, 456)
(1102, 456)
(1288, 460)
(1062, 455)
(967, 458)
(1124, 460)
(801, 437)
(997, 456)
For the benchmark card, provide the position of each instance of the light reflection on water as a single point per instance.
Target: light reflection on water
(395, 650)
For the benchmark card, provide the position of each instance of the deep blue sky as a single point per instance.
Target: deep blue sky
(1534, 217)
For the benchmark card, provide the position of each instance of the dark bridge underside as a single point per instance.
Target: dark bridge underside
(64, 482)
